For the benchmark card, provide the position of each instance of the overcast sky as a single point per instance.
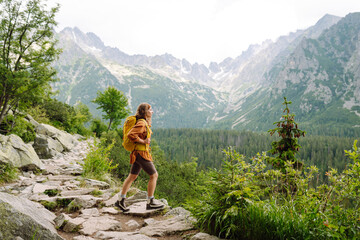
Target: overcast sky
(197, 30)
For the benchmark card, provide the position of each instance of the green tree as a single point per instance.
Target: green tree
(287, 146)
(27, 49)
(113, 103)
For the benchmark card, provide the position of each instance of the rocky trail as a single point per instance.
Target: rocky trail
(83, 209)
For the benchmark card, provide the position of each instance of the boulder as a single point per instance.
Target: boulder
(22, 218)
(122, 236)
(65, 139)
(96, 184)
(169, 226)
(139, 210)
(14, 151)
(102, 223)
(46, 147)
(31, 120)
(203, 236)
(179, 211)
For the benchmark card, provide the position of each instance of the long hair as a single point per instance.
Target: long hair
(141, 112)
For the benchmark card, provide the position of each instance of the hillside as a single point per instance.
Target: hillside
(316, 68)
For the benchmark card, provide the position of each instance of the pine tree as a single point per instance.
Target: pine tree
(287, 146)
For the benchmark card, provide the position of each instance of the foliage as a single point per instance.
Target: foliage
(52, 192)
(98, 127)
(181, 145)
(96, 193)
(16, 124)
(39, 114)
(66, 117)
(113, 103)
(27, 46)
(97, 164)
(8, 173)
(287, 146)
(246, 201)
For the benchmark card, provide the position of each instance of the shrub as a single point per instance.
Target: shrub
(8, 173)
(97, 164)
(98, 127)
(19, 126)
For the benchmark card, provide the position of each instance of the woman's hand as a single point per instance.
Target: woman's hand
(147, 141)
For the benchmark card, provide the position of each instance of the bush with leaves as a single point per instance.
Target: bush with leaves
(98, 127)
(247, 200)
(97, 164)
(16, 124)
(8, 173)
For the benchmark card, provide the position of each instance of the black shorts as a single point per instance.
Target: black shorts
(141, 163)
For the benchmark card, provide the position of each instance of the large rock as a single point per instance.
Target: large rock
(65, 139)
(14, 151)
(46, 147)
(139, 210)
(203, 236)
(22, 218)
(103, 223)
(167, 227)
(122, 236)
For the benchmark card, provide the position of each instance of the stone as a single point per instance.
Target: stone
(14, 151)
(73, 225)
(137, 197)
(26, 219)
(90, 212)
(132, 224)
(112, 200)
(65, 139)
(167, 227)
(149, 221)
(109, 210)
(122, 236)
(83, 191)
(41, 188)
(27, 182)
(139, 209)
(46, 147)
(61, 178)
(84, 201)
(60, 220)
(81, 237)
(179, 211)
(102, 223)
(203, 236)
(97, 184)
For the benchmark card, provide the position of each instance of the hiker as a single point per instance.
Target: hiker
(140, 134)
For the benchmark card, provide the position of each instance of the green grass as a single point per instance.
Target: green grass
(8, 173)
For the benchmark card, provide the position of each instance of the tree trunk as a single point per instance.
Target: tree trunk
(109, 125)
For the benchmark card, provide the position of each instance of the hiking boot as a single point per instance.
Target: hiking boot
(152, 205)
(121, 204)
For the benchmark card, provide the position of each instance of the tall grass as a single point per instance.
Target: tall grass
(8, 173)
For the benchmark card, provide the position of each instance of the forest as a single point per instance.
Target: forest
(207, 146)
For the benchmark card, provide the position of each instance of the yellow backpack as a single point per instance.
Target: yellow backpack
(129, 145)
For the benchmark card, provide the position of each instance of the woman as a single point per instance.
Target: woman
(141, 159)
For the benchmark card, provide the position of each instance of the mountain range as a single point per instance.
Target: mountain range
(318, 69)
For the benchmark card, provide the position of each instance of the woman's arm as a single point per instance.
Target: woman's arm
(138, 132)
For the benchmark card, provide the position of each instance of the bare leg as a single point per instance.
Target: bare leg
(152, 184)
(127, 183)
